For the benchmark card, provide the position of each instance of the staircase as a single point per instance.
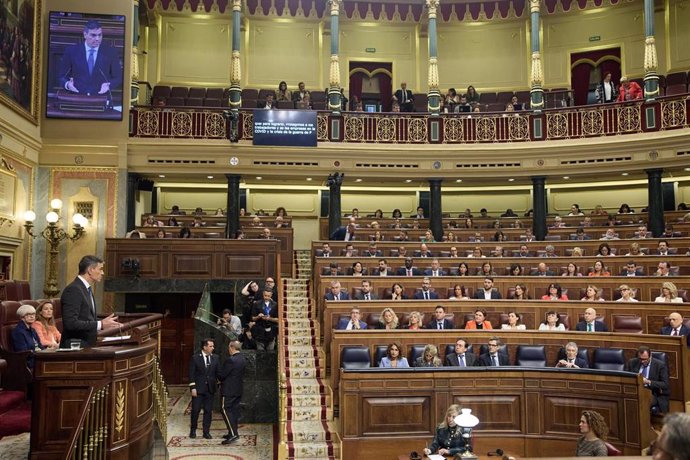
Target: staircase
(309, 397)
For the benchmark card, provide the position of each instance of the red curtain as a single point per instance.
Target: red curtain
(385, 83)
(579, 76)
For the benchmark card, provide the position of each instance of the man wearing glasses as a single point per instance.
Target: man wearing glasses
(494, 358)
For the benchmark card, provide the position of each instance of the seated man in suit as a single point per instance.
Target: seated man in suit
(354, 323)
(440, 321)
(493, 358)
(580, 235)
(336, 293)
(524, 251)
(365, 293)
(383, 269)
(572, 361)
(426, 293)
(424, 251)
(373, 251)
(435, 269)
(590, 323)
(268, 104)
(543, 270)
(409, 269)
(631, 269)
(654, 375)
(488, 292)
(676, 327)
(461, 357)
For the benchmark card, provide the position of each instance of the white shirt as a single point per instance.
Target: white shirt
(661, 299)
(623, 299)
(487, 294)
(608, 87)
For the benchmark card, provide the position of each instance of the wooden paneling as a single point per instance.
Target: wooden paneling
(513, 406)
(192, 259)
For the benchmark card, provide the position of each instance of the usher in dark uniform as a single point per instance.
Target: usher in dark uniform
(203, 380)
(232, 378)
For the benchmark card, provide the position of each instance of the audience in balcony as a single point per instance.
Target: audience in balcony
(575, 210)
(552, 323)
(176, 211)
(606, 91)
(152, 222)
(301, 95)
(393, 358)
(268, 104)
(472, 96)
(283, 93)
(625, 209)
(450, 101)
(230, 322)
(45, 327)
(629, 90)
(669, 293)
(599, 211)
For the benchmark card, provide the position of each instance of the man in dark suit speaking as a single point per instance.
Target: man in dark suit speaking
(79, 320)
(91, 67)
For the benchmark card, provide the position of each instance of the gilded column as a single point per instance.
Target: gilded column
(537, 76)
(434, 96)
(235, 66)
(334, 95)
(134, 88)
(651, 78)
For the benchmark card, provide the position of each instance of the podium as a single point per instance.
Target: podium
(97, 402)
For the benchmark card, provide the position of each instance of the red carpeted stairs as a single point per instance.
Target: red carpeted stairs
(15, 413)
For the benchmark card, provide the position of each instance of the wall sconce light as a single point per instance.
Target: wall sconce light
(54, 234)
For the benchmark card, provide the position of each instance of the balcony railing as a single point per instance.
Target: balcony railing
(422, 128)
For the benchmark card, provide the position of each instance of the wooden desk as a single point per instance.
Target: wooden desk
(525, 411)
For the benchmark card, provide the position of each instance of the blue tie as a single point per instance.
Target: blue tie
(91, 61)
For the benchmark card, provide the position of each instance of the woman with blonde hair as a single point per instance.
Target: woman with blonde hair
(669, 293)
(577, 252)
(594, 432)
(448, 439)
(388, 319)
(429, 358)
(45, 327)
(415, 321)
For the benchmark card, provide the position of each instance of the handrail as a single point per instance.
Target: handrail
(160, 399)
(599, 120)
(282, 373)
(89, 436)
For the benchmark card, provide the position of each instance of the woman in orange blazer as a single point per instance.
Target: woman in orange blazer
(479, 321)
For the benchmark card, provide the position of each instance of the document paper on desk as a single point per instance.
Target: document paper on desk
(436, 457)
(116, 338)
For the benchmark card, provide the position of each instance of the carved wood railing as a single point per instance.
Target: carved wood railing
(600, 120)
(89, 436)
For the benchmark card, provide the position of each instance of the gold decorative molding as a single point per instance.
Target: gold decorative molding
(334, 72)
(537, 70)
(433, 74)
(534, 6)
(235, 68)
(432, 5)
(236, 5)
(335, 7)
(650, 59)
(120, 400)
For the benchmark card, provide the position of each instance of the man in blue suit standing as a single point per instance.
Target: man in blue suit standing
(91, 67)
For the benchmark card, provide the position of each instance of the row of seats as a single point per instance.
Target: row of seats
(629, 324)
(394, 252)
(605, 293)
(178, 96)
(609, 359)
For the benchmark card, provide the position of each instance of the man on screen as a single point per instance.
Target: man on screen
(91, 67)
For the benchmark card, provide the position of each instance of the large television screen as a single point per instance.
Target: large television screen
(294, 128)
(85, 66)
